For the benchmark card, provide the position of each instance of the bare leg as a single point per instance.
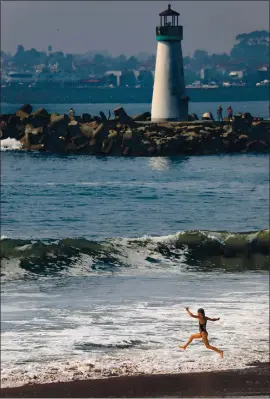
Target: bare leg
(208, 346)
(191, 338)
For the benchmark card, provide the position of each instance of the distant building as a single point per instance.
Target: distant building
(113, 77)
(236, 75)
(128, 77)
(206, 74)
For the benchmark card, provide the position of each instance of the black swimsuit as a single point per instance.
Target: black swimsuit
(202, 327)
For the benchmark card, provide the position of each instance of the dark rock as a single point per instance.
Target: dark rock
(100, 132)
(73, 130)
(96, 118)
(93, 147)
(121, 115)
(141, 129)
(210, 145)
(259, 131)
(126, 151)
(257, 146)
(54, 118)
(228, 128)
(247, 117)
(41, 112)
(193, 117)
(108, 146)
(27, 108)
(142, 117)
(58, 126)
(237, 117)
(37, 147)
(81, 142)
(5, 117)
(103, 116)
(3, 127)
(86, 118)
(25, 140)
(13, 120)
(152, 150)
(71, 147)
(40, 118)
(21, 114)
(87, 130)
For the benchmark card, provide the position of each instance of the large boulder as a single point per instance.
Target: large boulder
(86, 118)
(247, 117)
(193, 117)
(107, 146)
(21, 114)
(121, 115)
(27, 108)
(81, 142)
(25, 141)
(87, 130)
(208, 116)
(210, 144)
(73, 130)
(144, 116)
(40, 118)
(259, 131)
(103, 117)
(100, 132)
(257, 146)
(58, 125)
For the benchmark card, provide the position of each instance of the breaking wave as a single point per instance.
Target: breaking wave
(188, 249)
(10, 144)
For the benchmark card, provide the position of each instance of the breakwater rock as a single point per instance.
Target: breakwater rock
(132, 136)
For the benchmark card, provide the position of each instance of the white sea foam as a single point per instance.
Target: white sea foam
(10, 144)
(119, 333)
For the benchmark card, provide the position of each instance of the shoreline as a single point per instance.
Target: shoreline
(252, 381)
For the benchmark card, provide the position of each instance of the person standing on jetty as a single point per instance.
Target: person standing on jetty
(230, 113)
(219, 113)
(71, 112)
(203, 334)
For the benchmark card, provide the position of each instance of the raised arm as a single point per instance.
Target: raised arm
(213, 319)
(191, 314)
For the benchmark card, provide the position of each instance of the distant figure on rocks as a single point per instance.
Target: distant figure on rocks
(71, 112)
(219, 114)
(230, 113)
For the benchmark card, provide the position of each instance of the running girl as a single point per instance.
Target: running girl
(203, 334)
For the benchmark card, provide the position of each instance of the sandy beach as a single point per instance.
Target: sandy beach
(253, 381)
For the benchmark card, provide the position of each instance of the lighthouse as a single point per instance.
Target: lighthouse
(169, 102)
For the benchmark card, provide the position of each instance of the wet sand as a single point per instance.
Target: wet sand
(253, 381)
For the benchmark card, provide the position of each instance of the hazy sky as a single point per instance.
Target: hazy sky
(126, 27)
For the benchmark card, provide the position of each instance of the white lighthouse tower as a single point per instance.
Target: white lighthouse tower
(169, 102)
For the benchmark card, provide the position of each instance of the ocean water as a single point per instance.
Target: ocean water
(100, 256)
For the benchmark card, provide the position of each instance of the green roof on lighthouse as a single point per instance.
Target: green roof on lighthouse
(169, 12)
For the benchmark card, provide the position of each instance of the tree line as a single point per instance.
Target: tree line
(250, 50)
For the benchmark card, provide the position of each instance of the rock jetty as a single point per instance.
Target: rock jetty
(133, 136)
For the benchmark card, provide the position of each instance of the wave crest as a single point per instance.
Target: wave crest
(188, 248)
